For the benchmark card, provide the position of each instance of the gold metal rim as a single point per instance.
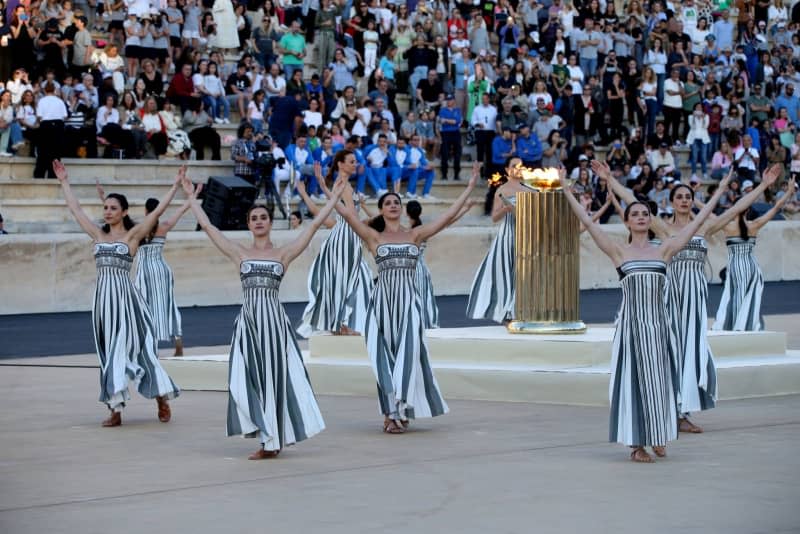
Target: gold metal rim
(528, 327)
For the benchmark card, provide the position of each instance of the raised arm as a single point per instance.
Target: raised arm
(170, 223)
(426, 231)
(74, 206)
(138, 232)
(293, 249)
(226, 246)
(601, 168)
(101, 193)
(764, 219)
(606, 244)
(368, 235)
(672, 245)
(599, 213)
(310, 204)
(768, 178)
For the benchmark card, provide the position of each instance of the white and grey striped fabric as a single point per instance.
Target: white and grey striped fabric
(642, 391)
(430, 310)
(687, 304)
(270, 395)
(124, 333)
(492, 294)
(339, 284)
(740, 307)
(395, 338)
(155, 282)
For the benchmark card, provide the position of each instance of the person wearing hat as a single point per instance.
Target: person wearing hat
(450, 120)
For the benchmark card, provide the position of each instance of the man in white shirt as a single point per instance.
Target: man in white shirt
(673, 105)
(51, 111)
(663, 158)
(273, 83)
(484, 119)
(745, 159)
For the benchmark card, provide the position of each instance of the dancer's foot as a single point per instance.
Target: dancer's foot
(660, 451)
(390, 426)
(261, 454)
(178, 346)
(345, 330)
(164, 413)
(640, 455)
(115, 419)
(687, 426)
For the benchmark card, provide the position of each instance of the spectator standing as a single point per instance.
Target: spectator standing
(51, 112)
(293, 47)
(673, 105)
(483, 120)
(698, 139)
(450, 120)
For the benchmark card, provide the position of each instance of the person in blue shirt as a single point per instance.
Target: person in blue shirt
(299, 155)
(415, 166)
(379, 162)
(788, 99)
(285, 109)
(450, 128)
(353, 144)
(529, 148)
(324, 154)
(503, 147)
(386, 63)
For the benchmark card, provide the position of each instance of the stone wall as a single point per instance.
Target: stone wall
(55, 273)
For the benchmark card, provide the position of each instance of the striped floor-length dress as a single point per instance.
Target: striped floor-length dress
(687, 305)
(492, 293)
(124, 333)
(339, 284)
(155, 282)
(395, 338)
(430, 311)
(270, 395)
(642, 391)
(740, 307)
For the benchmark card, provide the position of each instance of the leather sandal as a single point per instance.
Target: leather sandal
(115, 419)
(261, 454)
(164, 413)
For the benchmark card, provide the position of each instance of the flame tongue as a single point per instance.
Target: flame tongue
(544, 179)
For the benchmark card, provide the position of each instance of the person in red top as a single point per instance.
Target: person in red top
(181, 91)
(455, 23)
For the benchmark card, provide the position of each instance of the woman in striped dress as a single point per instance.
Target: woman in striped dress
(270, 396)
(430, 310)
(642, 392)
(492, 293)
(154, 278)
(740, 306)
(123, 329)
(687, 291)
(340, 281)
(395, 332)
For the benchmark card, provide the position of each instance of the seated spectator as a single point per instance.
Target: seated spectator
(214, 97)
(746, 159)
(154, 128)
(379, 161)
(414, 166)
(301, 158)
(721, 161)
(239, 89)
(663, 159)
(181, 91)
(197, 124)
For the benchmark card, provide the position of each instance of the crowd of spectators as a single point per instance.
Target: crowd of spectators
(650, 86)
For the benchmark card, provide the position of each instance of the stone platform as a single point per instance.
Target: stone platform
(487, 363)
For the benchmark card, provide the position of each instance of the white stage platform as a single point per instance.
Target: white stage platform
(488, 363)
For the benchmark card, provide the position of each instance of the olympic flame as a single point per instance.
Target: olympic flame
(541, 179)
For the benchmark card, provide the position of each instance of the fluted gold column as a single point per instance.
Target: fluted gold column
(547, 265)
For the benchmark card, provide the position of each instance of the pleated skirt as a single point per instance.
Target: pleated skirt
(125, 340)
(339, 284)
(642, 393)
(395, 336)
(270, 394)
(740, 306)
(492, 293)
